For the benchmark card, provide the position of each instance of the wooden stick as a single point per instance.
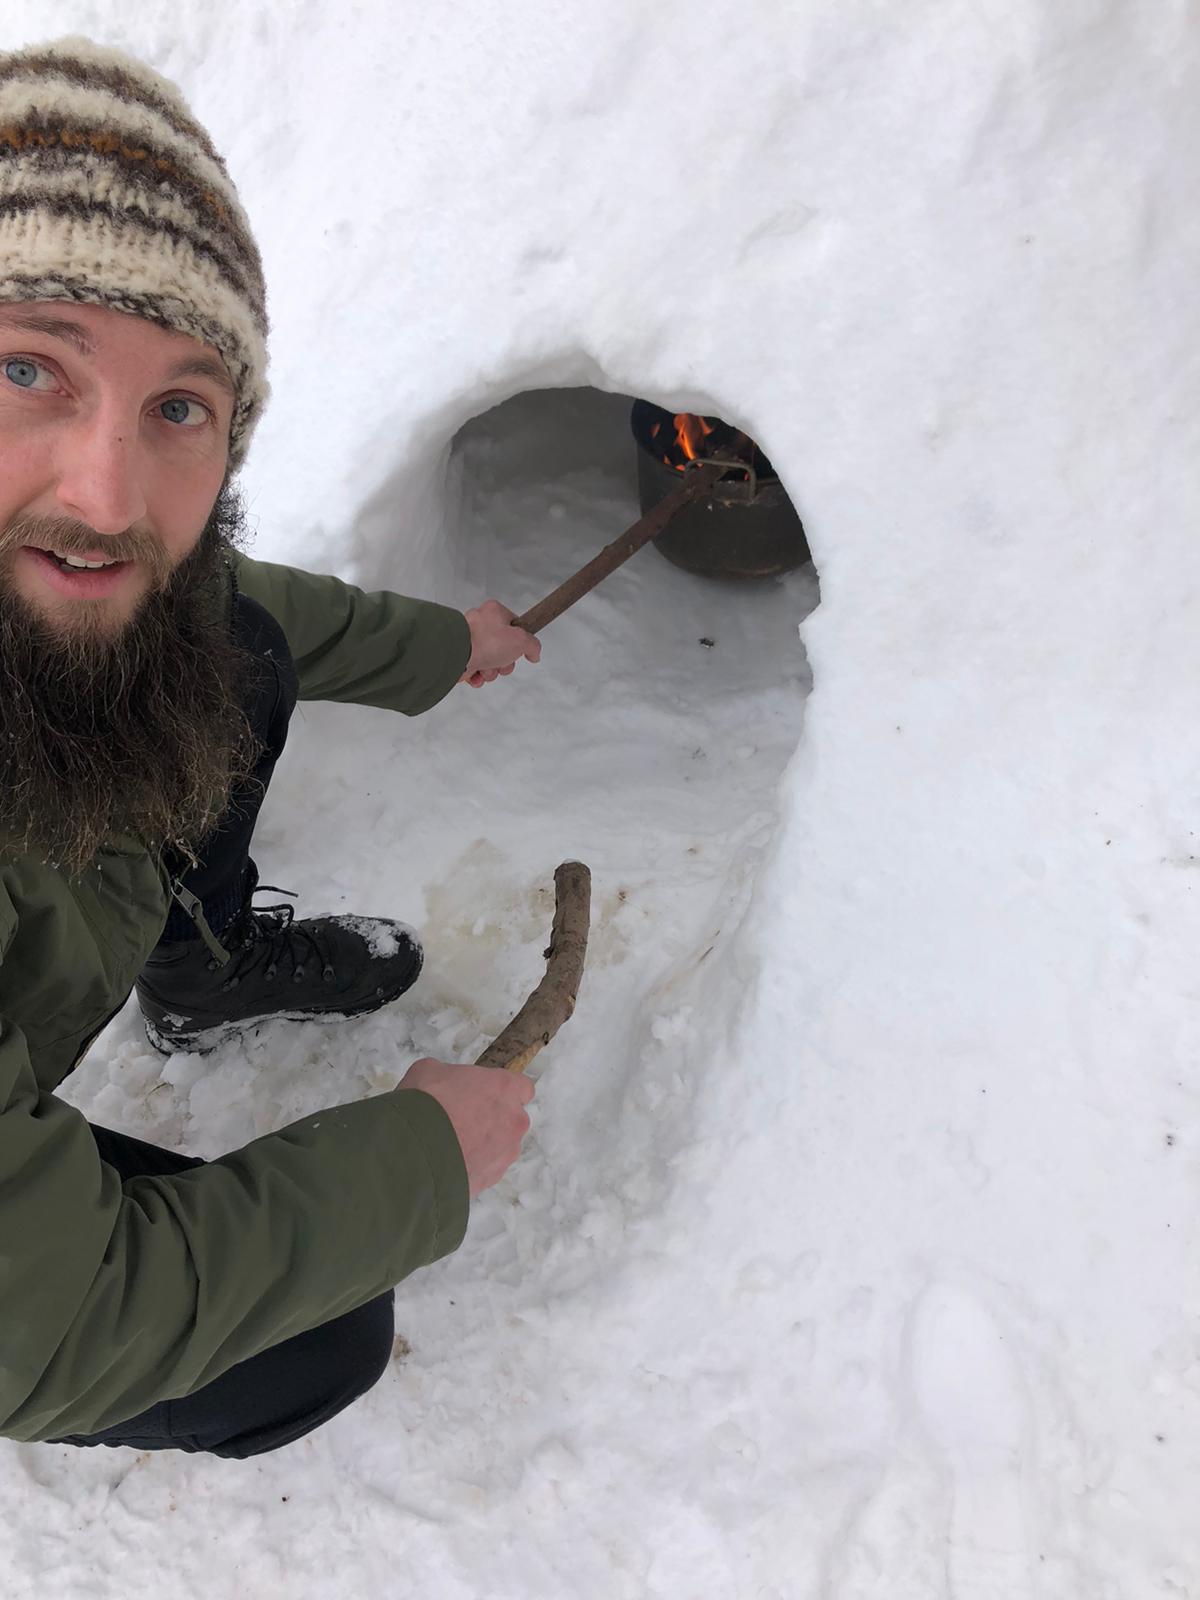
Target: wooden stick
(553, 1001)
(696, 483)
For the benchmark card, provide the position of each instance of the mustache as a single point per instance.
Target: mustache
(69, 537)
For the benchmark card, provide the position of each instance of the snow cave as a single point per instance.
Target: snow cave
(854, 1251)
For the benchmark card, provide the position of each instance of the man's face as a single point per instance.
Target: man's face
(121, 704)
(114, 444)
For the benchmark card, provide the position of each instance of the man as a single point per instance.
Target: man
(147, 674)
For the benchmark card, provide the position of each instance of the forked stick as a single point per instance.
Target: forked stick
(553, 1001)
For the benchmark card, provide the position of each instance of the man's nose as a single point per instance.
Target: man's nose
(100, 474)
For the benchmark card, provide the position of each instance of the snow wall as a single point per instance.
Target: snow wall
(940, 260)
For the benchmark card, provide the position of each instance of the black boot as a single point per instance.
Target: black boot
(196, 993)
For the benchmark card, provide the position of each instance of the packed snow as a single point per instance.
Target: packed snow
(853, 1254)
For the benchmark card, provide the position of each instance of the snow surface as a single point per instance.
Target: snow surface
(854, 1252)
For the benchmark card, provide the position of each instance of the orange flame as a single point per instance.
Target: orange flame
(690, 434)
(689, 441)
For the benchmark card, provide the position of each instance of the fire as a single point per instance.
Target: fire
(689, 441)
(691, 432)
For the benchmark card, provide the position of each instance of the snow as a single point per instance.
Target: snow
(382, 936)
(854, 1253)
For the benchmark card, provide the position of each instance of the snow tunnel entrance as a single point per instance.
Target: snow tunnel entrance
(651, 739)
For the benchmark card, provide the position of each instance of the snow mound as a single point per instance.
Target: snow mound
(854, 1254)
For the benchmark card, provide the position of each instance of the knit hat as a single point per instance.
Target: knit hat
(112, 194)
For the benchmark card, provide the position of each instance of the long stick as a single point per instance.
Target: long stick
(696, 483)
(553, 1001)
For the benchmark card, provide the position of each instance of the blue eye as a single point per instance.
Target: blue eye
(22, 372)
(187, 413)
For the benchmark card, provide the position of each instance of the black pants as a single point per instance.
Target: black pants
(219, 880)
(287, 1391)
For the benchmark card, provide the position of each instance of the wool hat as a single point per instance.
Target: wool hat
(112, 194)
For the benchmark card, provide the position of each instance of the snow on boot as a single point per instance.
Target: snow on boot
(196, 993)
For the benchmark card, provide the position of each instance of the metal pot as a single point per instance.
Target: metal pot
(745, 528)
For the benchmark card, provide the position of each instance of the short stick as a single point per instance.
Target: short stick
(553, 1001)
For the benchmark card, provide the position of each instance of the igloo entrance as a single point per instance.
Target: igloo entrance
(650, 740)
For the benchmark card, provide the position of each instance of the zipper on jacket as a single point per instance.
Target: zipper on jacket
(192, 906)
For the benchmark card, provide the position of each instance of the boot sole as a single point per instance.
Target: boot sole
(205, 1040)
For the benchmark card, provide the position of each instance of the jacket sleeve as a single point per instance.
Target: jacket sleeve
(115, 1297)
(377, 649)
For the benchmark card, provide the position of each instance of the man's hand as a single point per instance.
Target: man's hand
(487, 1108)
(496, 646)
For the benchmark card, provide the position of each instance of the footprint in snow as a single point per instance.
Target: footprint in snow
(972, 1407)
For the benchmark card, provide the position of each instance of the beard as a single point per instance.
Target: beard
(137, 730)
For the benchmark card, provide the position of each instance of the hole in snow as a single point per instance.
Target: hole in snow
(651, 739)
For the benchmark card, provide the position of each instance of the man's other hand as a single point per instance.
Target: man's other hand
(487, 1109)
(496, 645)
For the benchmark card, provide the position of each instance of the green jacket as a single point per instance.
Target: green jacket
(114, 1296)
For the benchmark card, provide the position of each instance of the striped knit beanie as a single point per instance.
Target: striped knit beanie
(112, 194)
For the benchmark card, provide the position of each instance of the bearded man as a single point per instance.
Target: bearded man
(148, 670)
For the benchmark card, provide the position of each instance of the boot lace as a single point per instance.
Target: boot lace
(265, 937)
